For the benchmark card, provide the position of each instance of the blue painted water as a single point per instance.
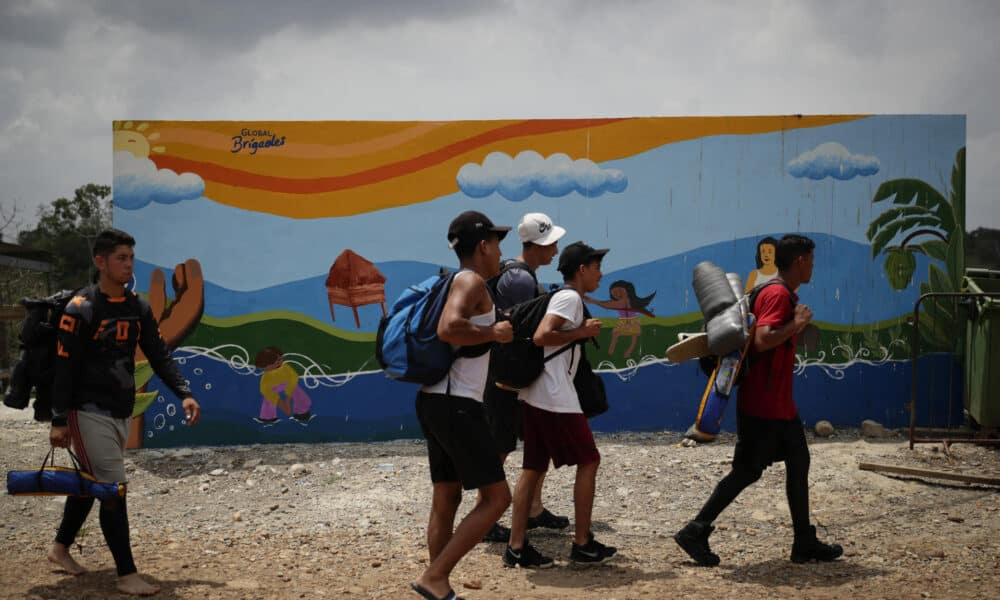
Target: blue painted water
(372, 407)
(848, 287)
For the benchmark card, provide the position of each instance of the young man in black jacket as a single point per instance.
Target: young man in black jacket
(94, 394)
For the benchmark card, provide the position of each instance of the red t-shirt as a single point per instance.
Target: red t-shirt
(766, 390)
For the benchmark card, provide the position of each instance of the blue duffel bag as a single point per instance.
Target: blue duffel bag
(51, 480)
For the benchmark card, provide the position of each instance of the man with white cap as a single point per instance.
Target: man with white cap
(517, 283)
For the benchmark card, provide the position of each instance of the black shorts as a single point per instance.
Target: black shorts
(762, 442)
(503, 415)
(460, 446)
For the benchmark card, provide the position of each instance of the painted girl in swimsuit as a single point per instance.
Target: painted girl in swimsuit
(629, 307)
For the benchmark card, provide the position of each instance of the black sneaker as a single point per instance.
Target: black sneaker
(548, 520)
(497, 534)
(591, 553)
(807, 548)
(527, 557)
(693, 539)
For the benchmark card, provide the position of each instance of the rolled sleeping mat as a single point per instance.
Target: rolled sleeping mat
(727, 332)
(60, 481)
(736, 282)
(712, 289)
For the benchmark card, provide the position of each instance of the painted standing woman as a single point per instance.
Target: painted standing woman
(629, 307)
(766, 269)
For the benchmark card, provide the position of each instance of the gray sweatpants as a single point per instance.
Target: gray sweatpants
(99, 443)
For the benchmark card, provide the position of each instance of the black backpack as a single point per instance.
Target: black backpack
(516, 365)
(505, 266)
(708, 363)
(35, 367)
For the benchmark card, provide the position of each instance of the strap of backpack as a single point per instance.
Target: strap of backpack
(586, 315)
(757, 290)
(753, 300)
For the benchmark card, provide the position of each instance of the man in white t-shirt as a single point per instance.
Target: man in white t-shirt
(554, 426)
(518, 283)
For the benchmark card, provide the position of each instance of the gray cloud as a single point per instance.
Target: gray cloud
(37, 24)
(221, 25)
(67, 72)
(236, 26)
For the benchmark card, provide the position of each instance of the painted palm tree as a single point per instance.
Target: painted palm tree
(935, 226)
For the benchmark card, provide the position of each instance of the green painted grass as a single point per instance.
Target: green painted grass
(340, 351)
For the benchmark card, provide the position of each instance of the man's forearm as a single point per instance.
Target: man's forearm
(463, 332)
(559, 337)
(772, 338)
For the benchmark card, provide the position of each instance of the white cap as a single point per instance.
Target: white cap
(537, 228)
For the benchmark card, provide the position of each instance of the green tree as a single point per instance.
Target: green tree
(939, 232)
(67, 229)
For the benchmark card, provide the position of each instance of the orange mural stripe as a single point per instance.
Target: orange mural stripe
(230, 176)
(212, 140)
(444, 149)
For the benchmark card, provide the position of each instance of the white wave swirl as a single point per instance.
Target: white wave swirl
(632, 367)
(238, 359)
(851, 357)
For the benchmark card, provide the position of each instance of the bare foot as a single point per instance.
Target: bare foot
(59, 555)
(136, 586)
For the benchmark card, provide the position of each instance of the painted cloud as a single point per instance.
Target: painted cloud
(518, 178)
(138, 182)
(832, 160)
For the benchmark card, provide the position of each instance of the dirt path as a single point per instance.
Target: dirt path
(347, 520)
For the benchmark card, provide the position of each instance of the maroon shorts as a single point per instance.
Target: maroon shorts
(563, 438)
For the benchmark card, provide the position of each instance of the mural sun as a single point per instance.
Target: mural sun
(131, 137)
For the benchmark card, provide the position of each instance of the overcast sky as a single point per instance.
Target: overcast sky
(69, 68)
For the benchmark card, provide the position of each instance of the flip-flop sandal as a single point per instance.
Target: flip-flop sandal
(429, 596)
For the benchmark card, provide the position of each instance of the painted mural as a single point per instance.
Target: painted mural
(290, 238)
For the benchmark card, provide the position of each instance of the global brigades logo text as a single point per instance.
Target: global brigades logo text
(251, 140)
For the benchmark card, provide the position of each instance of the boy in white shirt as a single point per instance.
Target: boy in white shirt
(553, 424)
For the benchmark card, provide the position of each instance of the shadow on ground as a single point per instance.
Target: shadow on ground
(100, 584)
(782, 572)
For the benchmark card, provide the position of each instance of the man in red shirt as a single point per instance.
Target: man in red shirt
(768, 426)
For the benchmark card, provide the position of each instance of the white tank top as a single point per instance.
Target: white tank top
(762, 278)
(467, 377)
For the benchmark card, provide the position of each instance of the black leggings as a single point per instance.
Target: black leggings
(114, 525)
(760, 443)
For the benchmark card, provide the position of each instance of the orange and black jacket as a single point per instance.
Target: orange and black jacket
(95, 353)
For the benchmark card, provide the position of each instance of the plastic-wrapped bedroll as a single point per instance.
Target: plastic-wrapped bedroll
(712, 288)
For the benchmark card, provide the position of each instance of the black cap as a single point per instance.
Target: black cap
(577, 254)
(472, 226)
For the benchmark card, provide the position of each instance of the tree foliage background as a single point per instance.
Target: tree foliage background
(67, 229)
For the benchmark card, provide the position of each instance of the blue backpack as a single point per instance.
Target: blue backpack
(407, 346)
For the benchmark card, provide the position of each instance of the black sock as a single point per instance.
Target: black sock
(114, 525)
(74, 514)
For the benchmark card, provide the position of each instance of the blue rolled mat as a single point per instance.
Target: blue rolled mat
(51, 480)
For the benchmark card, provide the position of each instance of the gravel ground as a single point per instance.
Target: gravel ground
(347, 520)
